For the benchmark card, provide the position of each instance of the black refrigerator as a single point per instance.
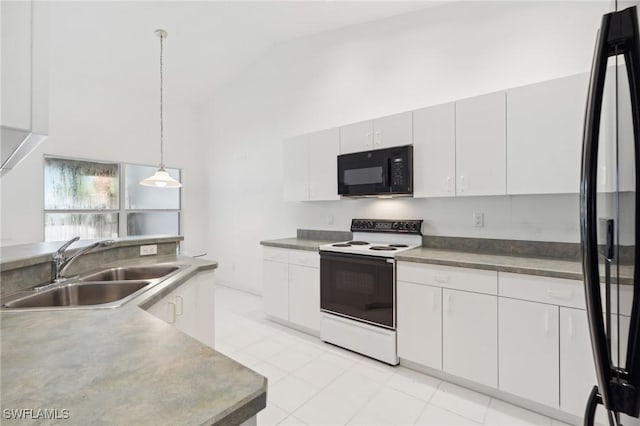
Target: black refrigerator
(609, 221)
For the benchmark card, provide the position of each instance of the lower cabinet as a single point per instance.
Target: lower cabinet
(190, 308)
(419, 324)
(275, 283)
(470, 336)
(291, 286)
(528, 350)
(304, 296)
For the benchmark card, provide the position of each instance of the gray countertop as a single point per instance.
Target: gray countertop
(296, 243)
(19, 256)
(558, 268)
(123, 365)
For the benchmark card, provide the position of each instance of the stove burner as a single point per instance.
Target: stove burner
(382, 248)
(398, 245)
(341, 245)
(358, 243)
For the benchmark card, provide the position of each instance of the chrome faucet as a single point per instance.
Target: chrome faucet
(60, 261)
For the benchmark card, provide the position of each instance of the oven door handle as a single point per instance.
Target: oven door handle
(355, 258)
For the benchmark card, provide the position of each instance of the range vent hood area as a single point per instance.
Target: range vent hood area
(15, 145)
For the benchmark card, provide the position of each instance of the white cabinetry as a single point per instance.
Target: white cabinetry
(528, 350)
(310, 166)
(419, 327)
(434, 151)
(291, 287)
(384, 132)
(16, 63)
(470, 336)
(295, 160)
(481, 145)
(190, 308)
(544, 136)
(275, 282)
(324, 147)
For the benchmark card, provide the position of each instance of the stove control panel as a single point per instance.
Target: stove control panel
(385, 225)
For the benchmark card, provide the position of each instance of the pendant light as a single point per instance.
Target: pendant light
(161, 178)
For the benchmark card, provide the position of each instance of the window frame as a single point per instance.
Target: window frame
(122, 211)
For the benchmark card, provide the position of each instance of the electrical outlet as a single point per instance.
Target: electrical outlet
(478, 220)
(148, 250)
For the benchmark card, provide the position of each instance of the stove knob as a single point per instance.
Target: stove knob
(370, 224)
(395, 225)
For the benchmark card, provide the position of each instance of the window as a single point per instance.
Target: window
(82, 198)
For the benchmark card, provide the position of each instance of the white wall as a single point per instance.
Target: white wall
(397, 64)
(91, 120)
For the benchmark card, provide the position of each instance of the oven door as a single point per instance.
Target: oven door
(358, 287)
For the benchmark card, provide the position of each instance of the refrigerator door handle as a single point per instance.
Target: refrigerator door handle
(618, 389)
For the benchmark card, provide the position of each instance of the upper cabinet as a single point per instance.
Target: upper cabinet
(434, 151)
(393, 130)
(295, 161)
(324, 147)
(16, 64)
(481, 145)
(310, 166)
(544, 136)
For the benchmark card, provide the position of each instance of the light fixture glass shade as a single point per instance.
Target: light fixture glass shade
(161, 179)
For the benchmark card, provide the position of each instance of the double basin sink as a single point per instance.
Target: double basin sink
(106, 288)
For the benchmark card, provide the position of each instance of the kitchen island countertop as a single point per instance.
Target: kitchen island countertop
(121, 366)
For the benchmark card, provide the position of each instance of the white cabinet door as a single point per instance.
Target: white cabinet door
(470, 336)
(356, 137)
(16, 64)
(190, 308)
(528, 350)
(275, 281)
(304, 296)
(577, 370)
(544, 136)
(393, 130)
(434, 151)
(324, 147)
(204, 327)
(419, 327)
(481, 145)
(296, 165)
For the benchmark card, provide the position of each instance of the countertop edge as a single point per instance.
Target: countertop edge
(45, 255)
(295, 243)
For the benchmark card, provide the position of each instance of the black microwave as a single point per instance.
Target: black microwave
(387, 171)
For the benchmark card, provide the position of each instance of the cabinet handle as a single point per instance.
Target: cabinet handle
(449, 184)
(546, 323)
(378, 138)
(172, 312)
(368, 140)
(461, 184)
(179, 305)
(448, 300)
(559, 294)
(441, 278)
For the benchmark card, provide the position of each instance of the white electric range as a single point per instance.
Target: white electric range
(358, 286)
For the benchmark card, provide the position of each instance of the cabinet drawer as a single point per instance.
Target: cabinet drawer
(466, 279)
(555, 291)
(275, 254)
(304, 258)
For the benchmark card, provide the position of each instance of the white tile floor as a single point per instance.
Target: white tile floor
(314, 383)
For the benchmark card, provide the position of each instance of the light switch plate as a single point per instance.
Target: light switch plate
(148, 250)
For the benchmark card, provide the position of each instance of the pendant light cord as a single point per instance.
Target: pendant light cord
(161, 105)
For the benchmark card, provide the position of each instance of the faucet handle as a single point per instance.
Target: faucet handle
(62, 248)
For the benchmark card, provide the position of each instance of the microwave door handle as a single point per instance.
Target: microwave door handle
(389, 180)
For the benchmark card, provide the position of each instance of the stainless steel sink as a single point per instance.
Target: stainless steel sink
(78, 294)
(125, 273)
(105, 288)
